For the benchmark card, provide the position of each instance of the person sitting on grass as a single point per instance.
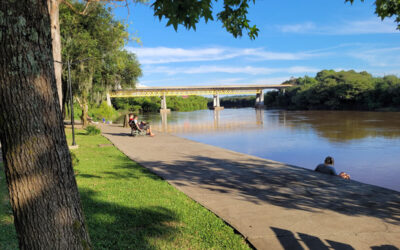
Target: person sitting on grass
(142, 127)
(327, 168)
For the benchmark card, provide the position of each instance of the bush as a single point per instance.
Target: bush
(74, 159)
(104, 111)
(92, 130)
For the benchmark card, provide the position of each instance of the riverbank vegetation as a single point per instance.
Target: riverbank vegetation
(343, 90)
(236, 101)
(153, 104)
(128, 207)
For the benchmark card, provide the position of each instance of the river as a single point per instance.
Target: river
(365, 145)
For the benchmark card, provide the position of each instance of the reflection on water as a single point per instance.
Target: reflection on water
(177, 123)
(364, 144)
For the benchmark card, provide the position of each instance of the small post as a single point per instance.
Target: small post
(71, 103)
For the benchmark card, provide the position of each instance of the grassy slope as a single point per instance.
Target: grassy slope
(127, 207)
(8, 237)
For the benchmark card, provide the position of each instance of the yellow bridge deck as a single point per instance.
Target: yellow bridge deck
(196, 90)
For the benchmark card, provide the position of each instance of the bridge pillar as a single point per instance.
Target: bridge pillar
(164, 108)
(108, 100)
(216, 102)
(260, 100)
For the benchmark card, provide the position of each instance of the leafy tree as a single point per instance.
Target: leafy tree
(236, 101)
(95, 43)
(338, 90)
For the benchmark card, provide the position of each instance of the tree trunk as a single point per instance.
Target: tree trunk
(126, 121)
(41, 183)
(53, 6)
(85, 112)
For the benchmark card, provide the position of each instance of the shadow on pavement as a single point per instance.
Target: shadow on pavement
(289, 241)
(282, 185)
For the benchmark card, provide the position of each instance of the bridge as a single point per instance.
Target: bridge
(215, 91)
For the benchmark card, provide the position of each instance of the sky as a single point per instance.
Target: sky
(296, 38)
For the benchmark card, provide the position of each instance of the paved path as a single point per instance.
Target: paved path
(275, 206)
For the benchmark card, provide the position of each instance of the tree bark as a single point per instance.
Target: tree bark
(85, 112)
(126, 121)
(41, 183)
(53, 6)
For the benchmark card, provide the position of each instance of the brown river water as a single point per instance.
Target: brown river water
(364, 144)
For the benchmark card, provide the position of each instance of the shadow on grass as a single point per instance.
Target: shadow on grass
(112, 226)
(8, 236)
(88, 176)
(131, 170)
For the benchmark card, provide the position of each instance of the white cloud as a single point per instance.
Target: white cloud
(164, 55)
(369, 26)
(384, 57)
(223, 81)
(298, 28)
(271, 80)
(228, 69)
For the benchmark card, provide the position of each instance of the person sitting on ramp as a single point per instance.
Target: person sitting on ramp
(327, 168)
(141, 128)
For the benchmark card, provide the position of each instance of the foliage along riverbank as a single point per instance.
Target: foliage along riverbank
(343, 90)
(123, 106)
(235, 101)
(153, 104)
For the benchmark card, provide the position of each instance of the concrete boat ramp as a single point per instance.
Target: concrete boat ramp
(273, 205)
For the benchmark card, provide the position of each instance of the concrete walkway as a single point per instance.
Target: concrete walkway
(273, 205)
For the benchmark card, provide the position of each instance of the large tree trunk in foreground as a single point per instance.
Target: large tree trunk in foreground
(43, 191)
(53, 6)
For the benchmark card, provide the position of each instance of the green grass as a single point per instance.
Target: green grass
(127, 207)
(8, 236)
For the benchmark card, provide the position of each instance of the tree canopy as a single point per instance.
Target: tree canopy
(188, 13)
(339, 90)
(95, 44)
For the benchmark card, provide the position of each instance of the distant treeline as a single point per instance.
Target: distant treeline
(344, 90)
(235, 101)
(153, 104)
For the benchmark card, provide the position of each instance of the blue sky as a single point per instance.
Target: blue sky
(296, 38)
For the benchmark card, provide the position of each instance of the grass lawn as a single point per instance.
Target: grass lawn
(8, 237)
(127, 207)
